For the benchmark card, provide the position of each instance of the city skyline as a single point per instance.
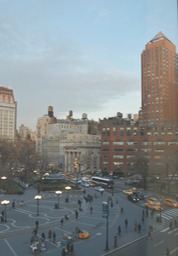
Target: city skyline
(84, 57)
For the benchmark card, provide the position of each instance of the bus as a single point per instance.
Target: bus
(105, 182)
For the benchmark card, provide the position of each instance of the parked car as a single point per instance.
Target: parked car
(100, 189)
(133, 198)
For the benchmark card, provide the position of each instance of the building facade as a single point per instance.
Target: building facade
(159, 85)
(68, 139)
(151, 143)
(8, 114)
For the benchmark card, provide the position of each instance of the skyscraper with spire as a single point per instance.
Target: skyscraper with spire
(159, 82)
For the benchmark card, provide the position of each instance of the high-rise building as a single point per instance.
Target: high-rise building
(159, 89)
(8, 110)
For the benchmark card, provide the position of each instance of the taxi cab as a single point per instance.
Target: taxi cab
(129, 191)
(153, 203)
(171, 202)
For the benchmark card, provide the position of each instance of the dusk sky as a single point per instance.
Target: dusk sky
(80, 55)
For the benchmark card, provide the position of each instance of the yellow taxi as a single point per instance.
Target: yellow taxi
(171, 202)
(153, 203)
(129, 191)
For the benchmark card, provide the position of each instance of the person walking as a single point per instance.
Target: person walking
(135, 225)
(119, 230)
(167, 252)
(139, 228)
(149, 234)
(49, 234)
(126, 223)
(91, 210)
(63, 252)
(115, 241)
(54, 237)
(76, 214)
(43, 236)
(37, 224)
(62, 221)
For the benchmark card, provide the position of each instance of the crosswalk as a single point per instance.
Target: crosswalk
(170, 214)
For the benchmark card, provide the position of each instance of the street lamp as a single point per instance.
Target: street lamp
(106, 215)
(5, 203)
(68, 188)
(38, 198)
(58, 193)
(3, 178)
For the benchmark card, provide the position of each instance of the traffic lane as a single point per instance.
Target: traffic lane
(6, 248)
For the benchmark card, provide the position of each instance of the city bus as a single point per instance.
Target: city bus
(106, 182)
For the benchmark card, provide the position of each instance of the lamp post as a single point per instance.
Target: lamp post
(58, 193)
(68, 188)
(5, 203)
(106, 215)
(37, 198)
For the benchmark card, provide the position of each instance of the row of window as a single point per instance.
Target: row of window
(142, 143)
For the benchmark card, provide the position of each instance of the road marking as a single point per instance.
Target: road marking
(164, 230)
(174, 250)
(155, 245)
(10, 247)
(172, 231)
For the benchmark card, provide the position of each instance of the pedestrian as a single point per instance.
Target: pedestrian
(126, 223)
(135, 225)
(76, 214)
(115, 241)
(142, 218)
(71, 248)
(175, 223)
(91, 210)
(49, 234)
(37, 224)
(122, 209)
(119, 230)
(167, 253)
(149, 234)
(54, 237)
(43, 236)
(63, 252)
(147, 212)
(143, 213)
(62, 221)
(139, 228)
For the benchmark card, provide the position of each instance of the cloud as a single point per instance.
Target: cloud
(51, 69)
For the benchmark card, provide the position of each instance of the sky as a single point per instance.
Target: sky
(79, 55)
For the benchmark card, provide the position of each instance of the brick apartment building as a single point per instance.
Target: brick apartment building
(151, 142)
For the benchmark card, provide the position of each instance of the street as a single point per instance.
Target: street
(16, 233)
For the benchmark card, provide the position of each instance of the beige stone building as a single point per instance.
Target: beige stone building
(8, 113)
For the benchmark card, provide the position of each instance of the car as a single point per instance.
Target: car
(133, 198)
(139, 195)
(153, 206)
(85, 184)
(100, 189)
(153, 203)
(171, 202)
(129, 191)
(92, 184)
